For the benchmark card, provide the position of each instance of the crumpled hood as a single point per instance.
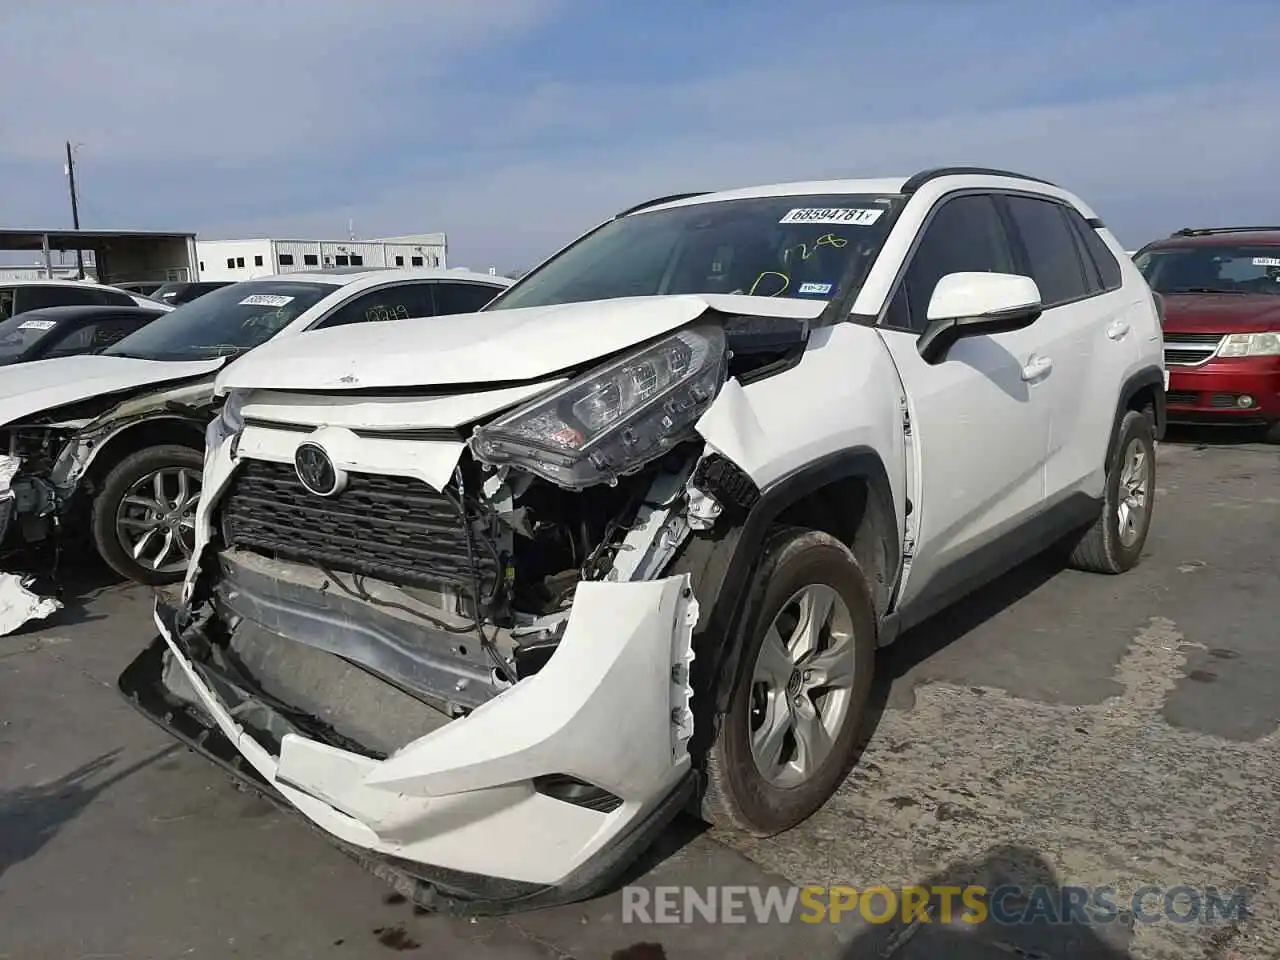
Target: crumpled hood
(30, 388)
(492, 346)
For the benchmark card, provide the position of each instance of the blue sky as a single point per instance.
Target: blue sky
(515, 125)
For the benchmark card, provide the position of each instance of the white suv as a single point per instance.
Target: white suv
(490, 601)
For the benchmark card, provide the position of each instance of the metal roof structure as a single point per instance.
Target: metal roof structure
(118, 254)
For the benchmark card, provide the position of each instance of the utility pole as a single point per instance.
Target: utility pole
(75, 209)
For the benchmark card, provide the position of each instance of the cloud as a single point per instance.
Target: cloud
(515, 125)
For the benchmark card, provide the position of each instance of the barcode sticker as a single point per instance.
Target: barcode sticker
(853, 216)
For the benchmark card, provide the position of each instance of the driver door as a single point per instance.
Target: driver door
(979, 420)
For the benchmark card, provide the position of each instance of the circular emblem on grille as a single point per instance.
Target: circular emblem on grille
(316, 471)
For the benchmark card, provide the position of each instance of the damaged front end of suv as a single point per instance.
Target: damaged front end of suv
(450, 625)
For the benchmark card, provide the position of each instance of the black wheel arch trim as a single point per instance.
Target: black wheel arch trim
(1147, 377)
(732, 559)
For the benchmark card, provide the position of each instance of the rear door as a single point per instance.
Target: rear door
(979, 422)
(1085, 334)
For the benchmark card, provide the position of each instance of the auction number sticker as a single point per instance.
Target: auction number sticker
(853, 216)
(265, 300)
(1266, 261)
(37, 325)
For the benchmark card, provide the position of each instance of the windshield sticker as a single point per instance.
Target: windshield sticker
(815, 288)
(37, 325)
(850, 215)
(265, 300)
(1266, 261)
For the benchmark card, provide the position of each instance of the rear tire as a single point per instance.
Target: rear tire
(118, 525)
(1114, 543)
(790, 734)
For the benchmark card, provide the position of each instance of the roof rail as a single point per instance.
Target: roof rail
(924, 176)
(1210, 231)
(671, 199)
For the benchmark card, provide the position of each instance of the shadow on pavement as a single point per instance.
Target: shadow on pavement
(32, 816)
(921, 642)
(1034, 918)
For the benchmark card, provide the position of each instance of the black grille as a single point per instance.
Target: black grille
(1185, 398)
(1210, 339)
(1185, 357)
(1224, 400)
(393, 528)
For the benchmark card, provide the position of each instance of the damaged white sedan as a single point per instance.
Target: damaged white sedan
(490, 606)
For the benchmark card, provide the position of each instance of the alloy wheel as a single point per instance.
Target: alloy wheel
(802, 685)
(155, 521)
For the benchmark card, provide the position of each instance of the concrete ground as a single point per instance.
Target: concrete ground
(1057, 728)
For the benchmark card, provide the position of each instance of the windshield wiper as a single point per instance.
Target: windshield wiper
(1204, 290)
(125, 354)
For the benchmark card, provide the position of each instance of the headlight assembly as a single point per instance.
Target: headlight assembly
(615, 419)
(1250, 345)
(229, 421)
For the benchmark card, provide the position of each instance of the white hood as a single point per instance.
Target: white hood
(31, 388)
(493, 346)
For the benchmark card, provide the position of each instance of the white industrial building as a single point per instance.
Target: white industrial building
(246, 259)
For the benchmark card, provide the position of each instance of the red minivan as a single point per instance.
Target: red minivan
(1221, 293)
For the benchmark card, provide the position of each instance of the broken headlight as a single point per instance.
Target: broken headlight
(228, 422)
(615, 419)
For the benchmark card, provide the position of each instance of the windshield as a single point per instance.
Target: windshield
(1212, 268)
(798, 246)
(19, 334)
(225, 322)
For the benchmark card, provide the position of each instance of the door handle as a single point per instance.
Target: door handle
(1117, 330)
(1037, 368)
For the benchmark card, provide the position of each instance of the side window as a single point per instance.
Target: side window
(114, 298)
(6, 303)
(33, 298)
(397, 302)
(1051, 252)
(966, 235)
(462, 297)
(1097, 250)
(76, 342)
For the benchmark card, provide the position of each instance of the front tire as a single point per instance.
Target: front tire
(1273, 433)
(144, 517)
(790, 734)
(1114, 543)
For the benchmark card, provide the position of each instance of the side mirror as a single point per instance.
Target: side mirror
(974, 305)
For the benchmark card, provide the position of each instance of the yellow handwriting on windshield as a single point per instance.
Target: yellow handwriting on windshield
(786, 282)
(826, 240)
